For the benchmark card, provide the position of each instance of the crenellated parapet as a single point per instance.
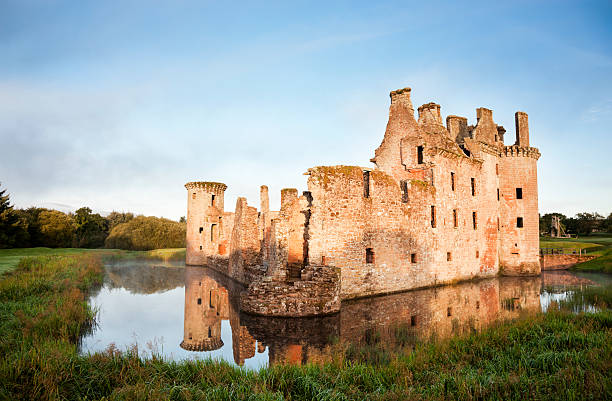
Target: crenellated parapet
(521, 151)
(208, 186)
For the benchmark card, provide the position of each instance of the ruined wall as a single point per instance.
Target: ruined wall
(245, 256)
(319, 294)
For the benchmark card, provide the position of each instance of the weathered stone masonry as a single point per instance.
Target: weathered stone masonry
(442, 204)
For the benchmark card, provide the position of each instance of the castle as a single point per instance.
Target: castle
(442, 204)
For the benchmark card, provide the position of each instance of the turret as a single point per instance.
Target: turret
(204, 221)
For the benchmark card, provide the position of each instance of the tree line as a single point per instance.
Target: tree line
(35, 227)
(581, 224)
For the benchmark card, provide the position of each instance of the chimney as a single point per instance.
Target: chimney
(522, 129)
(457, 128)
(401, 97)
(264, 199)
(429, 113)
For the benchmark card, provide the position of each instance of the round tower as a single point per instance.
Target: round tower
(204, 221)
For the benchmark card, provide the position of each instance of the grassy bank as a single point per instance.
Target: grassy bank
(43, 310)
(9, 258)
(598, 245)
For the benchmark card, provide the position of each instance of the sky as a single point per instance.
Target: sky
(115, 105)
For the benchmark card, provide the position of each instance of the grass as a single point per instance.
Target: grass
(9, 258)
(558, 355)
(599, 245)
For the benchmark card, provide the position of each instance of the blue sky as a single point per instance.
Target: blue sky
(115, 105)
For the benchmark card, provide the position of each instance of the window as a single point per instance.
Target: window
(419, 154)
(212, 200)
(474, 222)
(477, 304)
(404, 188)
(473, 182)
(193, 195)
(477, 254)
(366, 184)
(455, 222)
(519, 222)
(452, 181)
(213, 232)
(413, 320)
(209, 333)
(449, 311)
(201, 229)
(413, 258)
(497, 169)
(519, 193)
(449, 256)
(433, 216)
(210, 302)
(199, 301)
(498, 194)
(369, 255)
(200, 247)
(498, 224)
(323, 260)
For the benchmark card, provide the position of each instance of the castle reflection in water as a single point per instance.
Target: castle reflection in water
(437, 312)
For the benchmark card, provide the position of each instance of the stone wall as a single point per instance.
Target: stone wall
(319, 294)
(561, 262)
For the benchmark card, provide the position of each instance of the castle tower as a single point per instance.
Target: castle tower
(205, 222)
(519, 219)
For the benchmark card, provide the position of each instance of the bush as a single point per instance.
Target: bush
(146, 233)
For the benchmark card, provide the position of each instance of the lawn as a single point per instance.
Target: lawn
(9, 258)
(597, 244)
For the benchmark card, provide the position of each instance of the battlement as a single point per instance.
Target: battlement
(521, 151)
(210, 186)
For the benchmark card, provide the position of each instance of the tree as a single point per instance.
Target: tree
(115, 218)
(12, 228)
(91, 229)
(57, 229)
(182, 219)
(145, 233)
(588, 222)
(607, 224)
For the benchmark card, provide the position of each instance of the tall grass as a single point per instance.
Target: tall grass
(557, 355)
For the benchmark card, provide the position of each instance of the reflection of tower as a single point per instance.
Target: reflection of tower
(206, 304)
(205, 222)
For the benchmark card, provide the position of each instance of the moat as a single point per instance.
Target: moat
(184, 312)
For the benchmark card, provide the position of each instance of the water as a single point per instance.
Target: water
(192, 312)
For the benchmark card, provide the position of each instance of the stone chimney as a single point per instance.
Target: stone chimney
(401, 97)
(457, 128)
(522, 129)
(429, 114)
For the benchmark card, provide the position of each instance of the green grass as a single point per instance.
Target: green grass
(558, 355)
(599, 245)
(9, 258)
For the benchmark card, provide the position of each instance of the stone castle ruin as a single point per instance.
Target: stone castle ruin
(442, 204)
